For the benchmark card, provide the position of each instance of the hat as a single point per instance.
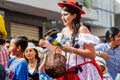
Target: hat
(39, 49)
(100, 61)
(3, 34)
(71, 3)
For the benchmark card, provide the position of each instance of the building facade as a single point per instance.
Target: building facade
(33, 17)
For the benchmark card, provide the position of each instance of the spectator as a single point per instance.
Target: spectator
(2, 72)
(32, 56)
(18, 67)
(112, 48)
(102, 64)
(4, 54)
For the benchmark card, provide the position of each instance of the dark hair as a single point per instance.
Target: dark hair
(37, 56)
(7, 41)
(113, 31)
(76, 21)
(2, 41)
(22, 41)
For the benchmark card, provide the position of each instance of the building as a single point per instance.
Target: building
(33, 17)
(117, 13)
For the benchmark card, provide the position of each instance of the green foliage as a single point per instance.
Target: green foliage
(85, 3)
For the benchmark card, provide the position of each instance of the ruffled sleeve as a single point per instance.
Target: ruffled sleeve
(88, 38)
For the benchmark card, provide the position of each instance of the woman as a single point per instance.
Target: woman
(33, 59)
(77, 45)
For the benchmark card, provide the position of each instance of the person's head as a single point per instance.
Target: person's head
(71, 12)
(102, 64)
(71, 15)
(18, 45)
(32, 52)
(2, 40)
(113, 36)
(7, 43)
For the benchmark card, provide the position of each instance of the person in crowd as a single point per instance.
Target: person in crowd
(2, 72)
(18, 67)
(43, 75)
(77, 45)
(112, 48)
(7, 44)
(32, 56)
(102, 64)
(52, 33)
(102, 54)
(4, 54)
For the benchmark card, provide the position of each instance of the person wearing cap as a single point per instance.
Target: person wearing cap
(112, 48)
(77, 45)
(102, 64)
(32, 56)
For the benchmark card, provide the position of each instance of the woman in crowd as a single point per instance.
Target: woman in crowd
(33, 59)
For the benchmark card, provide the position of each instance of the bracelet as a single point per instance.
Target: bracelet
(99, 54)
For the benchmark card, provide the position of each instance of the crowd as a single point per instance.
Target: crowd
(86, 57)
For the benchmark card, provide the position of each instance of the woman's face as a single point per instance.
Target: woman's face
(116, 39)
(30, 53)
(67, 18)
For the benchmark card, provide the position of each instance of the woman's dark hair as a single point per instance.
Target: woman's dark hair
(113, 31)
(76, 21)
(37, 56)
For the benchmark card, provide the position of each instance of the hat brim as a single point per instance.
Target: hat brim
(61, 4)
(99, 63)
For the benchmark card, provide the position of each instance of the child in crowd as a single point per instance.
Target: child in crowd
(18, 67)
(102, 64)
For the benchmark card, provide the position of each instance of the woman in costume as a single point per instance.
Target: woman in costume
(77, 45)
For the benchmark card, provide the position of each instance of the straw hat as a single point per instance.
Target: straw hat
(39, 49)
(101, 61)
(71, 3)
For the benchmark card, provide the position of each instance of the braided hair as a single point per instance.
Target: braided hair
(76, 21)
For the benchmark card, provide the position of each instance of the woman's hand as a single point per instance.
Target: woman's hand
(49, 46)
(102, 54)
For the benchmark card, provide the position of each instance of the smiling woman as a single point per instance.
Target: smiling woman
(33, 59)
(77, 45)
